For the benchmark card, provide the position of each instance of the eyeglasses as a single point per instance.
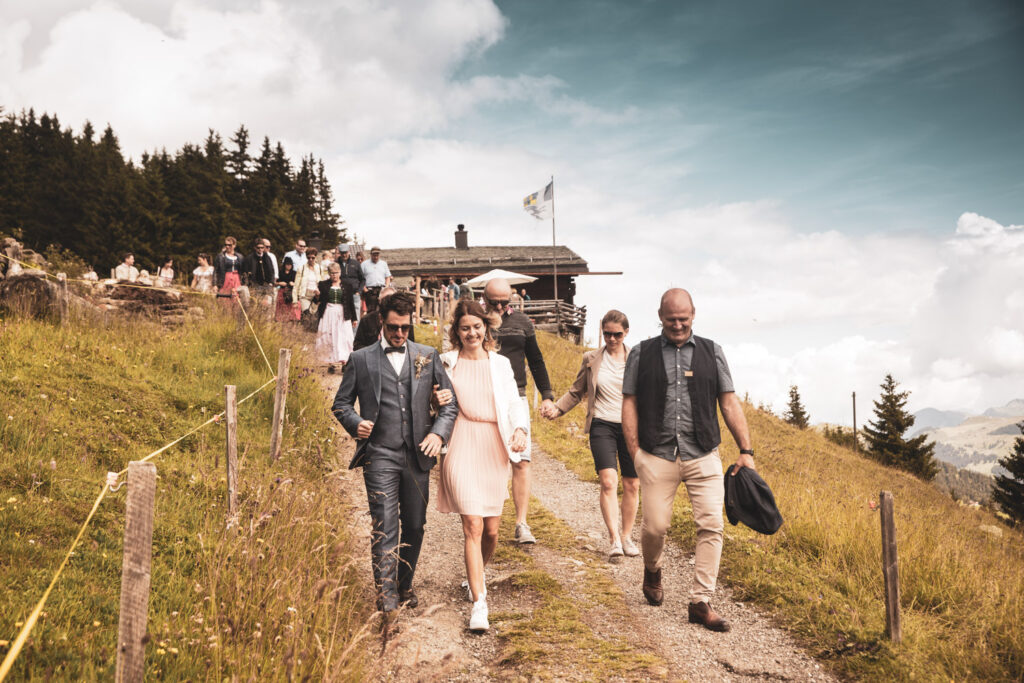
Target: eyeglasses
(398, 328)
(300, 246)
(613, 335)
(498, 303)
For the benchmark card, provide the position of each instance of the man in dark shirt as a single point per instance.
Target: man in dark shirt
(258, 272)
(352, 273)
(672, 388)
(518, 342)
(368, 332)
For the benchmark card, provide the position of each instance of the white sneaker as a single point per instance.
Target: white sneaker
(523, 534)
(629, 547)
(469, 591)
(615, 551)
(478, 617)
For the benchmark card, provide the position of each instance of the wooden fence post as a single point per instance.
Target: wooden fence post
(135, 576)
(419, 300)
(65, 299)
(231, 424)
(284, 358)
(890, 568)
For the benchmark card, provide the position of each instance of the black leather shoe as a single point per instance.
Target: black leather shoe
(652, 587)
(701, 613)
(408, 598)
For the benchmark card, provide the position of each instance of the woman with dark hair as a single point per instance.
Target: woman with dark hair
(165, 273)
(286, 308)
(600, 381)
(202, 276)
(490, 432)
(337, 315)
(227, 268)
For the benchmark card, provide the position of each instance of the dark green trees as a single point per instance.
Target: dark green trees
(885, 435)
(1008, 491)
(795, 413)
(80, 193)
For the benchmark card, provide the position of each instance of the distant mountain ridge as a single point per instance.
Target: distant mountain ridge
(973, 442)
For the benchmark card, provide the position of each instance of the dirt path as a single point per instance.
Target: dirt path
(648, 643)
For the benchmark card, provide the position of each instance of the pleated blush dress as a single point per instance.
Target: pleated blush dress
(476, 469)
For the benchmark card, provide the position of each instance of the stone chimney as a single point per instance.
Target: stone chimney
(461, 237)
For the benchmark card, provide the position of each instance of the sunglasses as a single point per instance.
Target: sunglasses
(398, 328)
(498, 304)
(613, 335)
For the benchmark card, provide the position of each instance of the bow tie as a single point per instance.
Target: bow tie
(395, 349)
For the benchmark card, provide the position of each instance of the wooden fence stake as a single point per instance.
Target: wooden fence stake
(65, 299)
(135, 576)
(890, 568)
(284, 358)
(231, 424)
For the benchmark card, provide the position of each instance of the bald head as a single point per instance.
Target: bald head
(676, 312)
(498, 288)
(675, 298)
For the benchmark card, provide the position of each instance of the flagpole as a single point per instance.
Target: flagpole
(554, 259)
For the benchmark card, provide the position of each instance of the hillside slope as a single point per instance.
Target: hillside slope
(962, 573)
(271, 598)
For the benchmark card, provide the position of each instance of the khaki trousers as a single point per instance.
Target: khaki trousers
(659, 480)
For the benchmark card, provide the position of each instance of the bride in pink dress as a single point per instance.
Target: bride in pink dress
(489, 433)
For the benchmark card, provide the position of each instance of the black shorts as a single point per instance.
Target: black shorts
(607, 444)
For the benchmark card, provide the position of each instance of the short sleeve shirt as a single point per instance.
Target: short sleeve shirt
(677, 438)
(376, 273)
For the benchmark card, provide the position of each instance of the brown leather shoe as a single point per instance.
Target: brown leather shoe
(701, 613)
(652, 587)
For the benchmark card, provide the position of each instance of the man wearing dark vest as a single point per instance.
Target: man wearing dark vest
(397, 442)
(672, 387)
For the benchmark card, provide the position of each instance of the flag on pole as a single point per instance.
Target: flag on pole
(539, 203)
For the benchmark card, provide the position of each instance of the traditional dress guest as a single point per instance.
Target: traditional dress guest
(599, 381)
(228, 268)
(165, 273)
(287, 308)
(202, 276)
(490, 432)
(337, 317)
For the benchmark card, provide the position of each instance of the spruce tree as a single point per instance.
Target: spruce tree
(1008, 491)
(885, 435)
(795, 413)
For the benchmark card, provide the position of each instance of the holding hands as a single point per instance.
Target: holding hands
(517, 444)
(549, 410)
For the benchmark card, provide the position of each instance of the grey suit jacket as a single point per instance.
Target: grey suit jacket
(362, 381)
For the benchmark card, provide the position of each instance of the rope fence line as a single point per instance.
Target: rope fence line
(111, 485)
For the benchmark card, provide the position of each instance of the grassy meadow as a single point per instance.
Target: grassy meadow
(274, 597)
(961, 570)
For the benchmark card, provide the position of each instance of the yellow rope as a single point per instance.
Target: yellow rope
(34, 616)
(269, 366)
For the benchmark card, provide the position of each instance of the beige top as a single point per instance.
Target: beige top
(586, 385)
(608, 398)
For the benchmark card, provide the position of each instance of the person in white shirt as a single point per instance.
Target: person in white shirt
(273, 259)
(298, 254)
(127, 270)
(377, 275)
(307, 278)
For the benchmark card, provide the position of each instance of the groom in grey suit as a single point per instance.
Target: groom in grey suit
(397, 442)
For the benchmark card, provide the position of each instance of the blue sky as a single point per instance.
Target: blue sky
(840, 186)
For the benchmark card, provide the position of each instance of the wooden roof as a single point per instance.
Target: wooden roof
(529, 260)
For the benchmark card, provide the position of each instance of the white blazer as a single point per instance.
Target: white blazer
(510, 408)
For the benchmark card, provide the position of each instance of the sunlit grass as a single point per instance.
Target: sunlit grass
(962, 589)
(271, 598)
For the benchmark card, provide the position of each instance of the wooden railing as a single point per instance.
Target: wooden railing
(550, 315)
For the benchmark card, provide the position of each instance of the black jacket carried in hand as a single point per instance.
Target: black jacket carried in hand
(749, 500)
(323, 289)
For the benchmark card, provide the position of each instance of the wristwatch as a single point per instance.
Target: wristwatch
(747, 451)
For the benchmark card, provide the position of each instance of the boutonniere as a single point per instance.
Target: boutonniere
(420, 363)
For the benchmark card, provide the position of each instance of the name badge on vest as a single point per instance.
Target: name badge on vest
(688, 373)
